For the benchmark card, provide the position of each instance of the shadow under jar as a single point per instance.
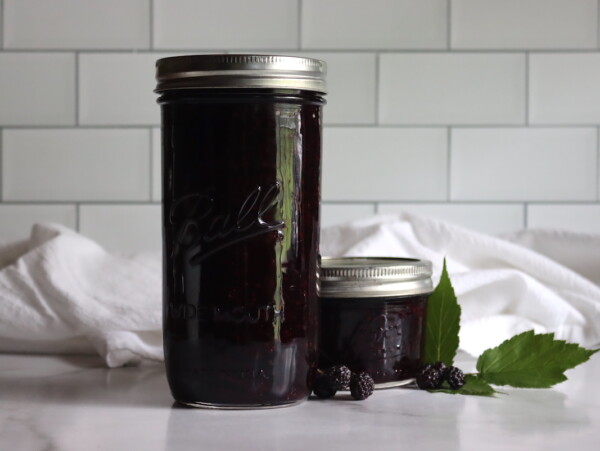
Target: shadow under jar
(373, 316)
(241, 149)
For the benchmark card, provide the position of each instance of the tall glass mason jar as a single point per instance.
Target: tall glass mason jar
(241, 152)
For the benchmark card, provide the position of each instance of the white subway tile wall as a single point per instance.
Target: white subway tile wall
(524, 24)
(122, 228)
(372, 163)
(77, 24)
(485, 113)
(333, 214)
(540, 164)
(116, 89)
(374, 25)
(37, 88)
(563, 88)
(75, 165)
(452, 88)
(227, 24)
(575, 217)
(487, 218)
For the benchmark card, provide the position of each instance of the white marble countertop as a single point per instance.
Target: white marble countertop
(74, 403)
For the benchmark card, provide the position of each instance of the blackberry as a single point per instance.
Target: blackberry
(339, 376)
(431, 376)
(455, 377)
(323, 388)
(439, 366)
(361, 386)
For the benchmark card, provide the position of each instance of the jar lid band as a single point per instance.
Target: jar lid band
(361, 277)
(241, 71)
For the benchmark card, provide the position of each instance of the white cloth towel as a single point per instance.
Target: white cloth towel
(62, 293)
(503, 286)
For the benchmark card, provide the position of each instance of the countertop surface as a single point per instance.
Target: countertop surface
(75, 403)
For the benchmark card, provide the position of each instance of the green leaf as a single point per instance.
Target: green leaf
(442, 323)
(474, 385)
(528, 360)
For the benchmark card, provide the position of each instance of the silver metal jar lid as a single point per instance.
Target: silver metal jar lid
(240, 71)
(365, 277)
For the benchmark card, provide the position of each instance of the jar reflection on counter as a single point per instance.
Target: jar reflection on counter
(373, 315)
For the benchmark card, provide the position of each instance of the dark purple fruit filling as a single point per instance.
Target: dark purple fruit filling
(241, 231)
(382, 336)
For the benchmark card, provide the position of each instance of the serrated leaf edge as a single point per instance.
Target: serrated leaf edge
(558, 375)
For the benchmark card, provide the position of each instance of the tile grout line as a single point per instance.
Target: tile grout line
(445, 125)
(82, 127)
(43, 202)
(299, 22)
(442, 202)
(399, 50)
(151, 164)
(449, 164)
(77, 88)
(449, 25)
(1, 164)
(151, 25)
(478, 201)
(2, 27)
(77, 216)
(369, 125)
(377, 73)
(362, 203)
(525, 215)
(527, 88)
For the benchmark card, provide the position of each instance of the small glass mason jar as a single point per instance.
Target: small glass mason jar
(241, 152)
(373, 315)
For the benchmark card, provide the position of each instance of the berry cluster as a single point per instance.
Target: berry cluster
(328, 382)
(432, 376)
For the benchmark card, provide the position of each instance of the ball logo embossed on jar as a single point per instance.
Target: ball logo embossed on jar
(203, 225)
